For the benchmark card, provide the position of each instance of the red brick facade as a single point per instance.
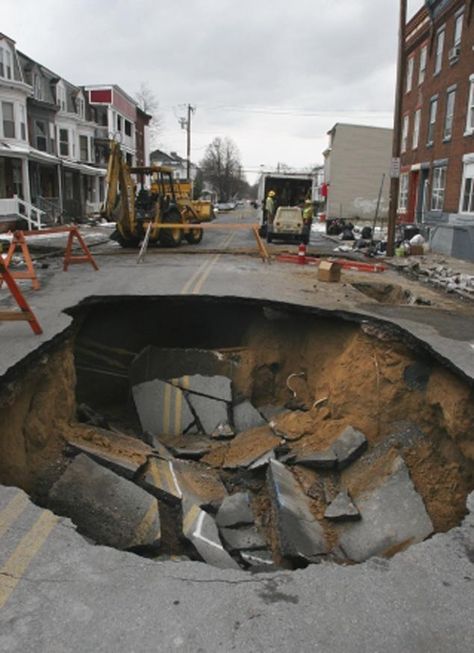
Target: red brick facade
(429, 193)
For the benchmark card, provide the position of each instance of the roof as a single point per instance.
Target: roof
(348, 124)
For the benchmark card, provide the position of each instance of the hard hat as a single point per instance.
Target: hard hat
(308, 201)
(271, 193)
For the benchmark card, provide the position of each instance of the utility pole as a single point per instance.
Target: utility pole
(397, 132)
(186, 124)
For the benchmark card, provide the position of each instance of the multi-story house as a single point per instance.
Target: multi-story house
(437, 136)
(116, 115)
(356, 171)
(174, 161)
(14, 150)
(54, 141)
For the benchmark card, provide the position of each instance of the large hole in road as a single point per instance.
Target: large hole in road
(239, 433)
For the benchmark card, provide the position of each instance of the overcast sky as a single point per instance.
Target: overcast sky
(274, 76)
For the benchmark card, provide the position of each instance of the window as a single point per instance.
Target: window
(448, 119)
(438, 186)
(458, 22)
(8, 116)
(37, 87)
(406, 125)
(41, 140)
(432, 120)
(416, 129)
(22, 123)
(5, 63)
(119, 123)
(470, 108)
(410, 67)
(83, 148)
(52, 137)
(467, 194)
(128, 128)
(403, 192)
(64, 142)
(439, 51)
(81, 107)
(61, 96)
(422, 69)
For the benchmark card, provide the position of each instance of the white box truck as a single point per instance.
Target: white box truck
(291, 191)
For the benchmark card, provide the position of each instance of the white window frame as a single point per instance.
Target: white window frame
(416, 129)
(432, 121)
(37, 87)
(403, 193)
(458, 26)
(6, 62)
(81, 107)
(470, 108)
(405, 129)
(42, 133)
(438, 187)
(409, 75)
(67, 142)
(467, 175)
(422, 67)
(61, 96)
(449, 115)
(439, 50)
(2, 105)
(81, 136)
(22, 114)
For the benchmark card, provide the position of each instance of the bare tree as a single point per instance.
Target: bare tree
(222, 169)
(148, 102)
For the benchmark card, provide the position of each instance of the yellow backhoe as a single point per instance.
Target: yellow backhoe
(151, 198)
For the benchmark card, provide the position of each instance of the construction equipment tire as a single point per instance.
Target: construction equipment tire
(128, 243)
(194, 236)
(171, 237)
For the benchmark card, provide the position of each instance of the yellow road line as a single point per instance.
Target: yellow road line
(12, 511)
(28, 547)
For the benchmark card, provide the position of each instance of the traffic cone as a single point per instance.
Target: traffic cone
(302, 254)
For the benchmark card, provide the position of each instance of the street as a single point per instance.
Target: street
(61, 592)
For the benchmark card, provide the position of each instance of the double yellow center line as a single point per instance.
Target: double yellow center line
(30, 544)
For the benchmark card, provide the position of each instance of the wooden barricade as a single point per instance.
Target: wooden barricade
(25, 313)
(19, 240)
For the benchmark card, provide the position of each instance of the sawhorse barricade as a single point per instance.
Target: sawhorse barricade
(19, 240)
(229, 226)
(25, 313)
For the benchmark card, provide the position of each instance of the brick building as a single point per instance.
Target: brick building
(437, 148)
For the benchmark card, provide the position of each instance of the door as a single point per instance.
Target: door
(413, 195)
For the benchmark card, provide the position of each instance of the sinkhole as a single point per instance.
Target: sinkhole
(240, 433)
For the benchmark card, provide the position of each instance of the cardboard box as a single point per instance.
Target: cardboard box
(416, 250)
(329, 271)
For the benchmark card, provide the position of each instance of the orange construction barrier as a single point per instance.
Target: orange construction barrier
(25, 312)
(18, 240)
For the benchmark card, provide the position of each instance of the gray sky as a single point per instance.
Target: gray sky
(272, 75)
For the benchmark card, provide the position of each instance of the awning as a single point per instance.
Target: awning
(7, 149)
(43, 157)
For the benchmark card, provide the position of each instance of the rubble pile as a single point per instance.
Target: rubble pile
(442, 276)
(213, 477)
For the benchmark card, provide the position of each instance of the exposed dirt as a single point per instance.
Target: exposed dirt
(348, 377)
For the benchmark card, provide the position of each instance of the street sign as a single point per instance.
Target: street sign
(395, 168)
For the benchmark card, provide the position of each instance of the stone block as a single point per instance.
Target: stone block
(246, 417)
(216, 387)
(342, 508)
(326, 459)
(235, 510)
(162, 408)
(245, 538)
(393, 516)
(161, 479)
(106, 507)
(349, 446)
(210, 413)
(299, 533)
(200, 529)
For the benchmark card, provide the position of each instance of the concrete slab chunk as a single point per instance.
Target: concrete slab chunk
(162, 408)
(235, 511)
(318, 460)
(342, 508)
(210, 413)
(243, 539)
(106, 507)
(160, 478)
(258, 559)
(246, 417)
(199, 483)
(349, 446)
(200, 529)
(216, 387)
(249, 446)
(299, 534)
(393, 514)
